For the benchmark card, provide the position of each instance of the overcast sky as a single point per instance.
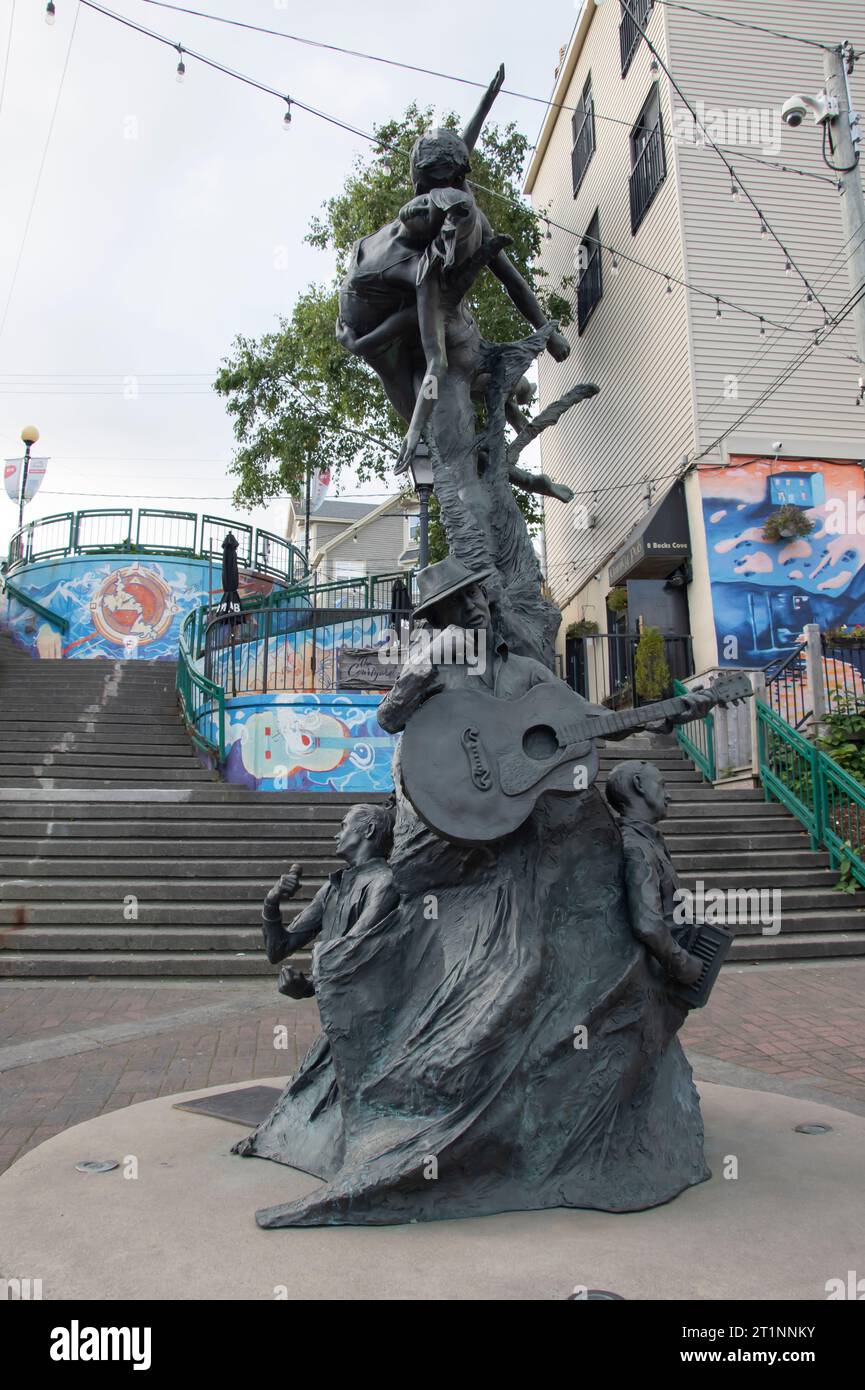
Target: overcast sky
(162, 208)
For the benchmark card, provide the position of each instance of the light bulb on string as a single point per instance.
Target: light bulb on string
(50, 12)
(548, 234)
(762, 327)
(669, 286)
(615, 264)
(181, 66)
(788, 268)
(809, 295)
(717, 308)
(764, 230)
(735, 191)
(286, 120)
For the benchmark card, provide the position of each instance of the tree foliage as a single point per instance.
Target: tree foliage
(296, 398)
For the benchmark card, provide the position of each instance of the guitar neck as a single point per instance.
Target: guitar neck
(624, 721)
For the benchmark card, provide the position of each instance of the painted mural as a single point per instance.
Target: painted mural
(312, 742)
(763, 593)
(120, 607)
(305, 658)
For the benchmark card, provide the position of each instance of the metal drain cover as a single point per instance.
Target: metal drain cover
(813, 1129)
(97, 1165)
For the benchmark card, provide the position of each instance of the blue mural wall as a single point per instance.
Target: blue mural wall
(118, 607)
(326, 741)
(764, 593)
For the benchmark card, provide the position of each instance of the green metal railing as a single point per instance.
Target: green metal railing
(200, 699)
(27, 601)
(697, 740)
(156, 532)
(828, 802)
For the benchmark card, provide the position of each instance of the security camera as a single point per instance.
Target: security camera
(795, 109)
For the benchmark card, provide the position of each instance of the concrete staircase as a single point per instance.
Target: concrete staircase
(733, 839)
(121, 856)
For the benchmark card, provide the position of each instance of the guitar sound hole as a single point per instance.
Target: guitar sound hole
(540, 742)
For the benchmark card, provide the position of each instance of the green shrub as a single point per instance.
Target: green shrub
(651, 673)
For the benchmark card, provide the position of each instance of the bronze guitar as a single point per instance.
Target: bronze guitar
(473, 765)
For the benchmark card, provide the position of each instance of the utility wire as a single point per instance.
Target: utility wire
(404, 154)
(745, 24)
(735, 179)
(20, 255)
(447, 77)
(8, 53)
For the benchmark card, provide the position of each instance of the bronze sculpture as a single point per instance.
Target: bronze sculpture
(500, 1038)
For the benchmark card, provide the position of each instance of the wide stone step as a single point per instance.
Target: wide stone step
(211, 800)
(765, 878)
(802, 946)
(111, 836)
(763, 843)
(750, 862)
(174, 911)
(237, 866)
(95, 888)
(157, 965)
(191, 820)
(129, 759)
(48, 850)
(171, 740)
(748, 822)
(74, 778)
(140, 937)
(102, 720)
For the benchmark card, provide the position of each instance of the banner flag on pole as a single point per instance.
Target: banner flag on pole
(35, 474)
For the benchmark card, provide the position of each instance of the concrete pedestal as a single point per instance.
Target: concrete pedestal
(185, 1227)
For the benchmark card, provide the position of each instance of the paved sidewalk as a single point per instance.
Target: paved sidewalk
(72, 1051)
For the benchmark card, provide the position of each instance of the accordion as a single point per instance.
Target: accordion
(710, 944)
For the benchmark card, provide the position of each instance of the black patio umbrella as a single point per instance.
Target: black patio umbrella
(229, 604)
(400, 604)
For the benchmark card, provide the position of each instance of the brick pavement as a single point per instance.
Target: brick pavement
(798, 1027)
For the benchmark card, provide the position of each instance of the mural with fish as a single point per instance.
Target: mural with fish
(120, 607)
(326, 741)
(764, 592)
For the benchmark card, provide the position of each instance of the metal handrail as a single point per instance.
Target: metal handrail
(697, 740)
(23, 551)
(47, 614)
(827, 801)
(199, 697)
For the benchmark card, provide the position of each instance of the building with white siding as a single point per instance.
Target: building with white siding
(617, 164)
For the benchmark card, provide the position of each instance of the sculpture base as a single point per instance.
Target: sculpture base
(185, 1227)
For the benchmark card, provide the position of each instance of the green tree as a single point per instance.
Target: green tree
(296, 399)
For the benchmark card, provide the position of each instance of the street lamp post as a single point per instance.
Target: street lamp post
(29, 436)
(422, 476)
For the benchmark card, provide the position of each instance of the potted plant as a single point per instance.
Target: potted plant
(788, 522)
(586, 627)
(617, 600)
(839, 636)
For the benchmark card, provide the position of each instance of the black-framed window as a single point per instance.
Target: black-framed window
(648, 158)
(590, 289)
(583, 135)
(629, 31)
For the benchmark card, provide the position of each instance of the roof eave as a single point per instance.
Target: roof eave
(563, 81)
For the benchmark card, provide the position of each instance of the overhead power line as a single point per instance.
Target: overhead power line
(29, 218)
(745, 24)
(446, 76)
(293, 101)
(737, 185)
